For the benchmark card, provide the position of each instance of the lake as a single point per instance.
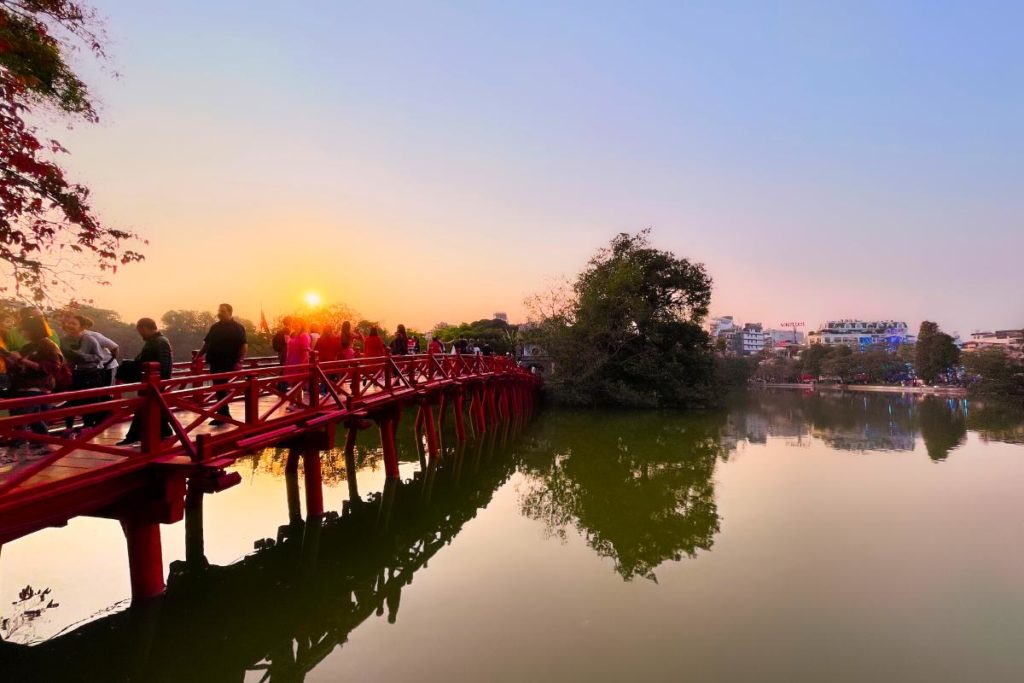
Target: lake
(788, 537)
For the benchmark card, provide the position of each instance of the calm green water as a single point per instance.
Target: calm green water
(791, 537)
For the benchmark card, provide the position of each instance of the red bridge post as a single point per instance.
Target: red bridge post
(431, 427)
(350, 462)
(150, 409)
(460, 418)
(387, 425)
(313, 481)
(145, 558)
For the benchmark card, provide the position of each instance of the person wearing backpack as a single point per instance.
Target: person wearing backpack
(35, 369)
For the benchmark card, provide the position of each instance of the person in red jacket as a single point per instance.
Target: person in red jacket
(328, 348)
(373, 345)
(435, 347)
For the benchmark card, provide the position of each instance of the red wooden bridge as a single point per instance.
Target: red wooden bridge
(145, 485)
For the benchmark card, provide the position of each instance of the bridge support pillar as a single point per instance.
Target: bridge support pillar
(145, 557)
(350, 462)
(387, 426)
(291, 484)
(195, 547)
(313, 481)
(431, 429)
(460, 419)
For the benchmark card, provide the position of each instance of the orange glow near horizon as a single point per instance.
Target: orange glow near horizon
(312, 299)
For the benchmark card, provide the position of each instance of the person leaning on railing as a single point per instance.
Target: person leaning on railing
(83, 353)
(156, 349)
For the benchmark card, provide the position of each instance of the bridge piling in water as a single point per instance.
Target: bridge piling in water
(145, 556)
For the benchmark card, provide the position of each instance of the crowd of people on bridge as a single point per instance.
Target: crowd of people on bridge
(36, 359)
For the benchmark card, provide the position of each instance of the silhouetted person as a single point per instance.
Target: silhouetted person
(224, 347)
(280, 340)
(156, 349)
(400, 344)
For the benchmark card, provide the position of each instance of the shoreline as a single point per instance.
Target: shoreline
(868, 388)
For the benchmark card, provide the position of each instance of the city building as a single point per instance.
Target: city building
(860, 334)
(720, 326)
(785, 337)
(501, 315)
(1007, 340)
(750, 340)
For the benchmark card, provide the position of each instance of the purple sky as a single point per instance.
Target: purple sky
(442, 161)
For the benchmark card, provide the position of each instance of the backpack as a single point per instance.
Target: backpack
(62, 375)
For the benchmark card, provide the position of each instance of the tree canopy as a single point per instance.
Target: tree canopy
(628, 331)
(936, 353)
(50, 237)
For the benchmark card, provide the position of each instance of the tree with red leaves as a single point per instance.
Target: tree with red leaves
(50, 238)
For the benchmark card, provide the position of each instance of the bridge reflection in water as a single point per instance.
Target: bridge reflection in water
(277, 613)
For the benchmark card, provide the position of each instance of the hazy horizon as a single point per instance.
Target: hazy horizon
(426, 163)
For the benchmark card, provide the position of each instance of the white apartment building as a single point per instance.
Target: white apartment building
(751, 340)
(862, 333)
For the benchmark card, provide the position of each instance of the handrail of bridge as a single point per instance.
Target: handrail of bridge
(302, 396)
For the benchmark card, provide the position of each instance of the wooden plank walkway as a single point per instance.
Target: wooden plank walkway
(13, 459)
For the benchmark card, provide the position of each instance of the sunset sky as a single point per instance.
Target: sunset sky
(441, 161)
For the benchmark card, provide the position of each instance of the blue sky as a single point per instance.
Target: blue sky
(429, 161)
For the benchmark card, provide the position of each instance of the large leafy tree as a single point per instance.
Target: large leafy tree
(628, 332)
(936, 353)
(50, 237)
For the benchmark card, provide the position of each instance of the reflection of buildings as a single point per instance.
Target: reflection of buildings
(867, 440)
(855, 422)
(276, 614)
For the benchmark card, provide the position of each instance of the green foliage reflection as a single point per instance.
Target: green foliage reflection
(637, 486)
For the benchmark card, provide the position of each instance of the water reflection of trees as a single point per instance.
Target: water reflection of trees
(637, 486)
(996, 420)
(276, 614)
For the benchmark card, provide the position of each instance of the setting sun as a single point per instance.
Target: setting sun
(312, 299)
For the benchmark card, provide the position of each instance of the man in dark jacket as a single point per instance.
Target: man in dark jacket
(224, 348)
(156, 349)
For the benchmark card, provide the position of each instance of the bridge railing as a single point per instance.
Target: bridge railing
(275, 401)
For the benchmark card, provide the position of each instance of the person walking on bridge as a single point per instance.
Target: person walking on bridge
(156, 349)
(280, 340)
(348, 342)
(400, 344)
(224, 347)
(373, 345)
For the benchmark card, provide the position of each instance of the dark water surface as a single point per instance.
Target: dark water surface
(791, 537)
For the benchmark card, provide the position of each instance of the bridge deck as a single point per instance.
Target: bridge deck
(62, 476)
(14, 459)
